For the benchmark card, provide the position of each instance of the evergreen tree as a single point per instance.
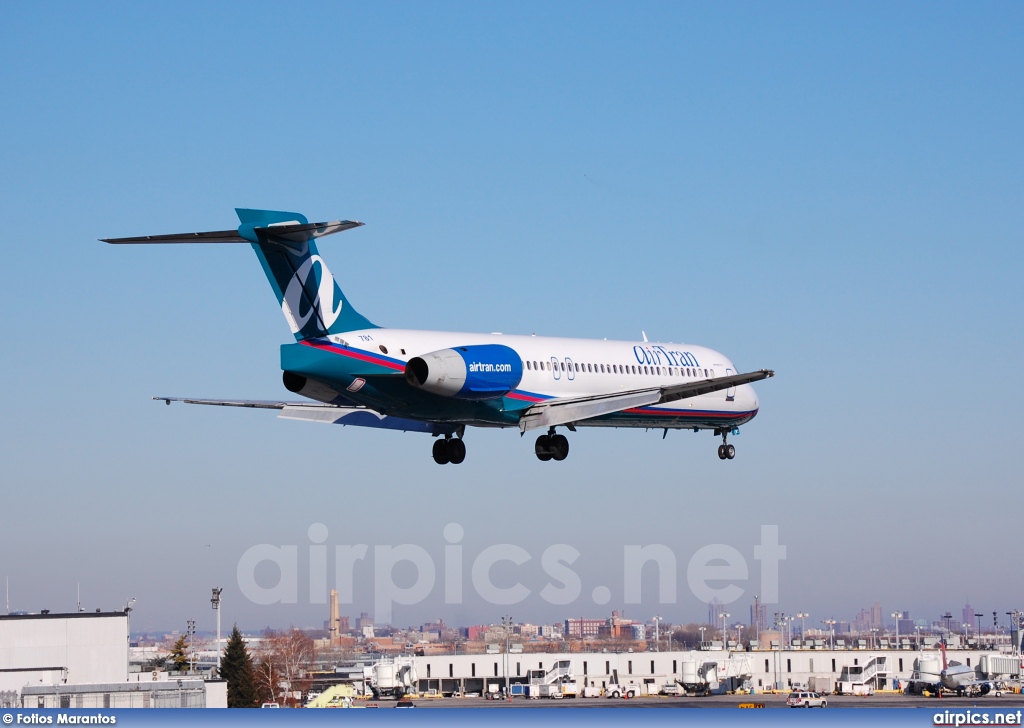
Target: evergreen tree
(178, 656)
(236, 669)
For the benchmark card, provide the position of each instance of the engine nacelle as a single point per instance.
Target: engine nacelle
(485, 371)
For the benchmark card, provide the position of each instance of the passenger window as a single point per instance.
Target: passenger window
(563, 366)
(705, 372)
(589, 369)
(528, 365)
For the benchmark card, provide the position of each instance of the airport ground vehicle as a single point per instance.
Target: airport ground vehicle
(805, 700)
(615, 690)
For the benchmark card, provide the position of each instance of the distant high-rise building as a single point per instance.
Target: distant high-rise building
(590, 627)
(364, 621)
(906, 624)
(332, 629)
(759, 614)
(876, 615)
(715, 608)
(968, 616)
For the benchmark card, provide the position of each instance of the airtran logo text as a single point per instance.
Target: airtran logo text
(480, 367)
(659, 355)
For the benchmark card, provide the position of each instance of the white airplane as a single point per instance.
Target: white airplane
(956, 677)
(357, 373)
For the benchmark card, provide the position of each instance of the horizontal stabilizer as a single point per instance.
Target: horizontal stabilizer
(295, 233)
(331, 414)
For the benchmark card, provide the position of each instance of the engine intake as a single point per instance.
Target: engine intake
(485, 371)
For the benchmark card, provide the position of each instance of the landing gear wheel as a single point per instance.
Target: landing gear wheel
(721, 452)
(730, 452)
(559, 447)
(456, 451)
(542, 448)
(440, 452)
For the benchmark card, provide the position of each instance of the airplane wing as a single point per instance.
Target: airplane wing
(326, 413)
(565, 410)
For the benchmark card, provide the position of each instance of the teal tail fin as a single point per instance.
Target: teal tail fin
(310, 297)
(285, 243)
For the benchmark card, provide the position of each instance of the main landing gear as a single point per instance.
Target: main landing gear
(725, 450)
(449, 450)
(551, 446)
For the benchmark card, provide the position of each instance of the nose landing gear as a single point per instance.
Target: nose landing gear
(551, 446)
(449, 450)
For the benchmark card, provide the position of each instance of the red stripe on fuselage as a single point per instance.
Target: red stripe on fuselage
(354, 354)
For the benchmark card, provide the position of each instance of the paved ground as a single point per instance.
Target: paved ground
(723, 701)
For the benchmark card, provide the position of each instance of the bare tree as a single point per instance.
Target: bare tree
(285, 660)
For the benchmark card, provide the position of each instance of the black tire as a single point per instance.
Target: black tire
(721, 452)
(542, 448)
(456, 451)
(440, 452)
(730, 451)
(559, 447)
(615, 694)
(630, 694)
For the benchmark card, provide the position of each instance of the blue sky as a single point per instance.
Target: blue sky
(829, 190)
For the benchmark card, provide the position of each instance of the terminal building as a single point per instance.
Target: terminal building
(80, 660)
(853, 671)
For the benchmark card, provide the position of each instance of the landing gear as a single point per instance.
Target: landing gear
(551, 446)
(449, 450)
(725, 450)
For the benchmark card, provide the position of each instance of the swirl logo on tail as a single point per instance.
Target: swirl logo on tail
(323, 302)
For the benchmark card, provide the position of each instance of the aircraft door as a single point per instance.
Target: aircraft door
(554, 368)
(570, 369)
(730, 393)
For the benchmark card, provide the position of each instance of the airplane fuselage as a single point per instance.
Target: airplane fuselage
(367, 367)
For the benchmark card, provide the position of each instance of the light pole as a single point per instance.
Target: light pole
(739, 635)
(874, 637)
(215, 603)
(979, 616)
(803, 634)
(831, 624)
(128, 620)
(702, 636)
(725, 636)
(657, 634)
(896, 617)
(191, 645)
(917, 627)
(506, 622)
